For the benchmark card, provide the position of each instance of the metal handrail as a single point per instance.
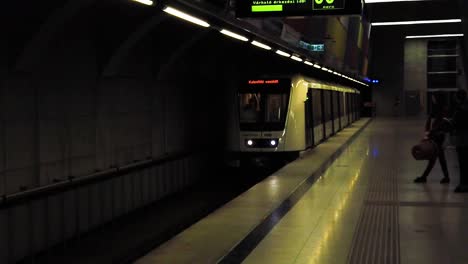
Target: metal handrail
(75, 182)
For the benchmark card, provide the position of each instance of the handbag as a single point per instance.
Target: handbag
(426, 149)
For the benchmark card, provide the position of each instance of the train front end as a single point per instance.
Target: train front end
(263, 109)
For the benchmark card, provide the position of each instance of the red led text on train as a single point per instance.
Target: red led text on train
(263, 81)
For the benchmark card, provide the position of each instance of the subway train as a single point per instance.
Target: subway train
(278, 117)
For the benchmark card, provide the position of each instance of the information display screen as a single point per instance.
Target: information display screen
(285, 8)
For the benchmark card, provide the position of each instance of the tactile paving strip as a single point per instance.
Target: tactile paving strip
(376, 238)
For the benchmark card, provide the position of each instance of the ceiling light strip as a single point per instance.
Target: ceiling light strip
(296, 58)
(145, 2)
(416, 22)
(435, 36)
(185, 16)
(260, 45)
(282, 53)
(389, 1)
(233, 35)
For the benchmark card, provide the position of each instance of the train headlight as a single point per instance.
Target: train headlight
(249, 142)
(273, 142)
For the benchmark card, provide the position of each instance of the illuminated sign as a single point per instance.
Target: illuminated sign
(264, 81)
(312, 47)
(284, 8)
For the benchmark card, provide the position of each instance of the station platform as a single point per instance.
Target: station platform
(349, 200)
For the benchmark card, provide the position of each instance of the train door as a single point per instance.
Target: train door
(327, 113)
(333, 113)
(339, 109)
(348, 107)
(317, 116)
(309, 122)
(344, 117)
(336, 112)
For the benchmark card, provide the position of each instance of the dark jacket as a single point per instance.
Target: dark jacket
(460, 125)
(436, 124)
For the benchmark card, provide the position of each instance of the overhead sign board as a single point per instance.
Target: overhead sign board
(312, 47)
(286, 8)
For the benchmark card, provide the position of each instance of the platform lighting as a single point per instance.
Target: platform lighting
(296, 58)
(233, 35)
(317, 66)
(308, 63)
(261, 45)
(282, 53)
(435, 36)
(416, 22)
(388, 1)
(324, 69)
(330, 71)
(145, 2)
(185, 16)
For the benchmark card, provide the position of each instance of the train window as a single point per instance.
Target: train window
(317, 107)
(262, 110)
(275, 107)
(327, 104)
(250, 107)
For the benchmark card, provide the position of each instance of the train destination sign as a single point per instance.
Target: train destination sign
(284, 8)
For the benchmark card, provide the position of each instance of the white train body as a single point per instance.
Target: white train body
(280, 115)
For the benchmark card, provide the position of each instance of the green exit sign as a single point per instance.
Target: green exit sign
(287, 8)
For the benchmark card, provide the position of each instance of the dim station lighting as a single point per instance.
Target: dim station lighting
(417, 22)
(435, 36)
(388, 1)
(145, 2)
(185, 16)
(261, 45)
(233, 35)
(296, 58)
(282, 53)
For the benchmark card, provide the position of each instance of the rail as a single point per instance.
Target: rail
(75, 182)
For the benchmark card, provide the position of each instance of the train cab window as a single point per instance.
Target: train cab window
(262, 110)
(275, 107)
(249, 108)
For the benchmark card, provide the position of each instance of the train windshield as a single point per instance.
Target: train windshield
(263, 111)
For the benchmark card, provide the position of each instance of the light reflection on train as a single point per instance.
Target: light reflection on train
(279, 117)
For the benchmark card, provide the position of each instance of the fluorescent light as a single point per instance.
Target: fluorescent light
(261, 45)
(296, 58)
(145, 2)
(330, 71)
(435, 36)
(416, 22)
(324, 69)
(387, 1)
(317, 66)
(185, 16)
(282, 53)
(308, 63)
(234, 35)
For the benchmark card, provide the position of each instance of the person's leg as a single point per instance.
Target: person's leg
(443, 165)
(428, 169)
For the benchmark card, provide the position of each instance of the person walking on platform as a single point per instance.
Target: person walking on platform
(434, 131)
(460, 124)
